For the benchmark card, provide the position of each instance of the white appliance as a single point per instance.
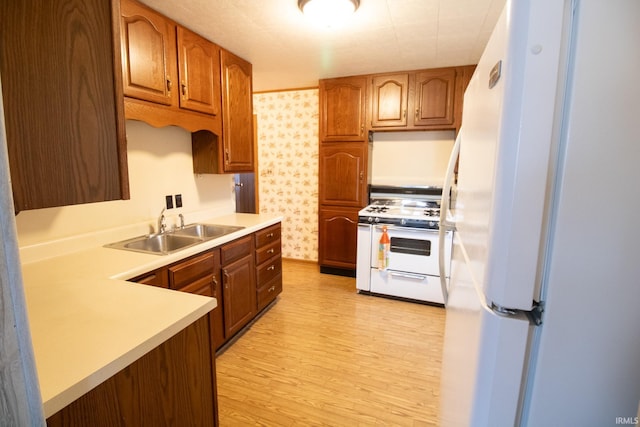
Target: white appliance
(543, 304)
(411, 216)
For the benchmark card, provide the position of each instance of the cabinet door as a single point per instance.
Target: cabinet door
(389, 100)
(342, 109)
(237, 117)
(343, 174)
(62, 95)
(239, 294)
(199, 72)
(148, 54)
(337, 237)
(434, 97)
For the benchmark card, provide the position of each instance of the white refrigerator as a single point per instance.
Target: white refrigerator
(543, 305)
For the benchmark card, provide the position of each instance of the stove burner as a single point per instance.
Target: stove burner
(377, 209)
(432, 212)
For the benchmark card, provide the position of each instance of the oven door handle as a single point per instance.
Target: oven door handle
(407, 275)
(409, 229)
(444, 209)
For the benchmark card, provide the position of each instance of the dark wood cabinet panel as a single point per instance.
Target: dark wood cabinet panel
(239, 294)
(389, 98)
(158, 278)
(237, 120)
(268, 265)
(434, 97)
(63, 102)
(199, 72)
(343, 174)
(337, 235)
(173, 382)
(343, 104)
(186, 272)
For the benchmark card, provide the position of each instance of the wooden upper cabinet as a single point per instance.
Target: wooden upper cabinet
(171, 75)
(343, 109)
(389, 100)
(148, 54)
(199, 72)
(62, 92)
(434, 97)
(418, 100)
(237, 120)
(343, 174)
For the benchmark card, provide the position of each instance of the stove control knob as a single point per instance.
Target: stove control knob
(403, 221)
(377, 219)
(370, 219)
(432, 223)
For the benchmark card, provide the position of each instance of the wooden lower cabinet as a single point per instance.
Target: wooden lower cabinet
(244, 275)
(338, 228)
(173, 384)
(238, 284)
(268, 265)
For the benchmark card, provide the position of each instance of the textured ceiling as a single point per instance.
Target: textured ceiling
(383, 35)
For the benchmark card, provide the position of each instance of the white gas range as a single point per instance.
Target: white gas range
(411, 216)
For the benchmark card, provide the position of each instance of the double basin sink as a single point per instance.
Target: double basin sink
(175, 240)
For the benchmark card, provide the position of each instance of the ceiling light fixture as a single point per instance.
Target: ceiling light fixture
(328, 12)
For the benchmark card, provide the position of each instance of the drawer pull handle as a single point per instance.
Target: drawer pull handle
(270, 235)
(271, 267)
(270, 251)
(271, 289)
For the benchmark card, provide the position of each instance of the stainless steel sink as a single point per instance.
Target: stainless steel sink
(206, 231)
(173, 241)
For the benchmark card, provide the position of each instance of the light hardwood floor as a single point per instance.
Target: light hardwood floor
(324, 355)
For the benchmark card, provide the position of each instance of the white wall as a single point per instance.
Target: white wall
(410, 158)
(160, 163)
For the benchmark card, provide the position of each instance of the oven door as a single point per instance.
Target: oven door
(413, 250)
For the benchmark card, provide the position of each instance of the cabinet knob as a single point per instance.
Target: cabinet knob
(417, 114)
(168, 85)
(214, 281)
(184, 89)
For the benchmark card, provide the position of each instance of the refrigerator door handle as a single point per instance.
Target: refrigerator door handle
(444, 209)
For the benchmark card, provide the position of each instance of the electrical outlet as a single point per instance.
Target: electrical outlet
(178, 200)
(169, 200)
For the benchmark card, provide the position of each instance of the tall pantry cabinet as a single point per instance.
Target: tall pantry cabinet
(343, 164)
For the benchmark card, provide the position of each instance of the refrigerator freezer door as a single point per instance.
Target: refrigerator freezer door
(507, 128)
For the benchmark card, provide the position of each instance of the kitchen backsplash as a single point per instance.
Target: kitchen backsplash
(288, 166)
(410, 158)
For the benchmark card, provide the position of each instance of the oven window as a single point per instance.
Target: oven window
(410, 246)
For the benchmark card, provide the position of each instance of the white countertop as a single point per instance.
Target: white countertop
(88, 323)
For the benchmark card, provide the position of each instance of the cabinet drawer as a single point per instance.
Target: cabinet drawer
(155, 278)
(268, 270)
(202, 286)
(268, 235)
(190, 270)
(269, 292)
(268, 251)
(236, 250)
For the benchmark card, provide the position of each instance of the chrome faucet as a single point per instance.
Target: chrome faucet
(181, 220)
(162, 225)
